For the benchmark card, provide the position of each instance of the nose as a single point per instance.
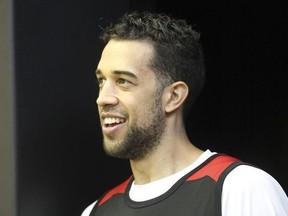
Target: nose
(107, 96)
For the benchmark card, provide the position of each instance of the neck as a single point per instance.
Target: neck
(174, 153)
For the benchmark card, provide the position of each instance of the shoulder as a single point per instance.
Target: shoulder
(106, 196)
(88, 209)
(248, 190)
(247, 175)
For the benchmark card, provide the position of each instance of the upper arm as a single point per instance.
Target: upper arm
(249, 191)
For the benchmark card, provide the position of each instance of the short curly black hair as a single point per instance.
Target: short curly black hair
(178, 54)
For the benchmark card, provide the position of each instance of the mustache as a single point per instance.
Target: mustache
(110, 109)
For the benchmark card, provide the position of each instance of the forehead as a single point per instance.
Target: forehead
(131, 56)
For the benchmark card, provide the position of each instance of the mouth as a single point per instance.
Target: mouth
(112, 121)
(112, 125)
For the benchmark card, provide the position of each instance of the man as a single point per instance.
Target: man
(150, 73)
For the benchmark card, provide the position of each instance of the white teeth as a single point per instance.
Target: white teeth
(109, 120)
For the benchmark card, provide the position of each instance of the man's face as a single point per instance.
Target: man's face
(129, 104)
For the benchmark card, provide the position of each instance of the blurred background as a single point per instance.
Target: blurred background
(51, 157)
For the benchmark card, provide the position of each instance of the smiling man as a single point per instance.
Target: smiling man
(150, 73)
(129, 104)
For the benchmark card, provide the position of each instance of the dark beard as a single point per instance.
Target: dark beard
(140, 141)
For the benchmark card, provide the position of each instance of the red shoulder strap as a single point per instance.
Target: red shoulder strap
(116, 190)
(214, 168)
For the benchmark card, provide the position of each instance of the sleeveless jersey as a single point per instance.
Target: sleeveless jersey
(197, 193)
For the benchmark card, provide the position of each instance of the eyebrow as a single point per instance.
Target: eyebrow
(118, 72)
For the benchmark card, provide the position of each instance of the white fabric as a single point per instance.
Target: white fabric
(243, 186)
(87, 211)
(157, 188)
(248, 191)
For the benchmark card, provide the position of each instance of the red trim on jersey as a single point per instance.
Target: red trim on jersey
(214, 168)
(117, 190)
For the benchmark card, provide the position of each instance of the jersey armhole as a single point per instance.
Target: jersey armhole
(220, 182)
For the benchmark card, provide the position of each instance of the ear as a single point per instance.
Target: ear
(175, 96)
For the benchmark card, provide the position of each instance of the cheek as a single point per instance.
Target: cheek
(140, 112)
(141, 105)
(147, 110)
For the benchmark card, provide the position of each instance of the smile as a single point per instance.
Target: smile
(112, 125)
(111, 121)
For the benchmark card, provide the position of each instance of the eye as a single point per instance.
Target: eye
(122, 81)
(100, 81)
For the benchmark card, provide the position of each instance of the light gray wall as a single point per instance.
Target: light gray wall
(7, 162)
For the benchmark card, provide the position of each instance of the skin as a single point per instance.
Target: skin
(128, 92)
